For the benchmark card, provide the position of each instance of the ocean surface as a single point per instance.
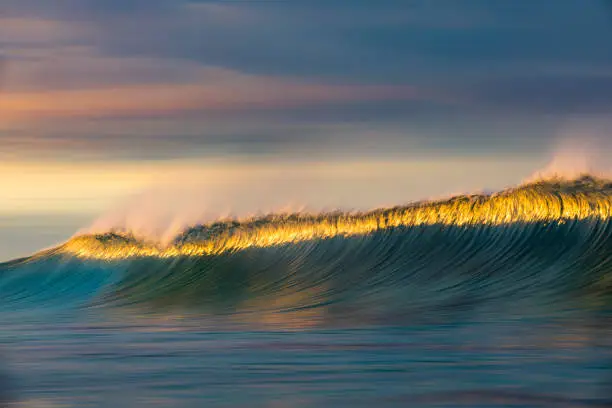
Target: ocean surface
(479, 301)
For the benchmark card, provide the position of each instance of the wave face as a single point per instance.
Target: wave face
(541, 246)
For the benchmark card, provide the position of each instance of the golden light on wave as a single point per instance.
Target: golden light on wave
(545, 201)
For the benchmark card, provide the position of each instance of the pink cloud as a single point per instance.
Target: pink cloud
(39, 30)
(230, 94)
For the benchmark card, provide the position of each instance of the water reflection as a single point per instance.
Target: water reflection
(189, 361)
(7, 384)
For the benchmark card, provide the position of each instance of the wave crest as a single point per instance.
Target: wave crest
(554, 200)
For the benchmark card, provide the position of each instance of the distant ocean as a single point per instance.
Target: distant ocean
(502, 299)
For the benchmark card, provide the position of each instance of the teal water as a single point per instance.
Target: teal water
(478, 316)
(190, 363)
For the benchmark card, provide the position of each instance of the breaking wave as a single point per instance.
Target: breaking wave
(542, 245)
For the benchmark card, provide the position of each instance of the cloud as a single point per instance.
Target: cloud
(83, 9)
(559, 94)
(84, 75)
(389, 42)
(274, 135)
(83, 67)
(431, 41)
(421, 42)
(28, 31)
(241, 93)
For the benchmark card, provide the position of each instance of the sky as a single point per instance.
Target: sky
(136, 111)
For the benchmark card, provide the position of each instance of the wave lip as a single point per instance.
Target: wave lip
(554, 200)
(538, 246)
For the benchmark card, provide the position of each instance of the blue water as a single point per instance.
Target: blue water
(142, 361)
(432, 316)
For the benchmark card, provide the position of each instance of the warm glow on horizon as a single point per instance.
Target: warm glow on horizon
(61, 187)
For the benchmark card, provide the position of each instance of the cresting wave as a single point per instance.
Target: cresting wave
(542, 201)
(535, 247)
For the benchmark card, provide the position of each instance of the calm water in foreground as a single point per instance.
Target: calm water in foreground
(143, 361)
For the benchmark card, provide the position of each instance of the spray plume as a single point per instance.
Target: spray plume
(580, 150)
